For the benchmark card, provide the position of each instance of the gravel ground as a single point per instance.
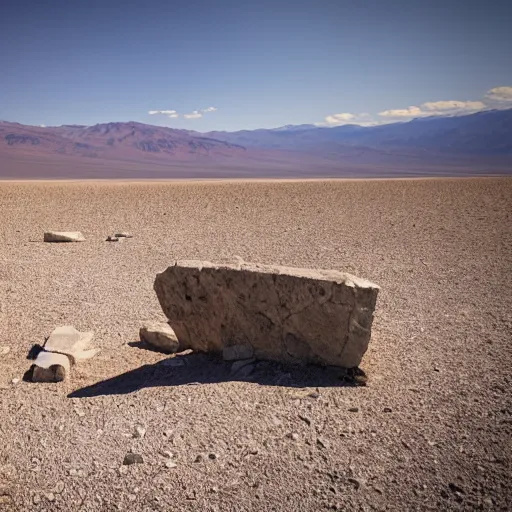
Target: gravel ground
(430, 431)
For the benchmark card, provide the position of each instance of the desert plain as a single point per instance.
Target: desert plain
(431, 430)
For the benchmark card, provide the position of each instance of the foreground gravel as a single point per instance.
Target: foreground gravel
(430, 431)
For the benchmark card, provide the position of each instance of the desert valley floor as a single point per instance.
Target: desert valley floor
(431, 430)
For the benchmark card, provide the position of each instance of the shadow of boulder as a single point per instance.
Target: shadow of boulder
(196, 369)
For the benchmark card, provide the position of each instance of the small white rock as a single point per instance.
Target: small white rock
(170, 464)
(139, 431)
(15, 381)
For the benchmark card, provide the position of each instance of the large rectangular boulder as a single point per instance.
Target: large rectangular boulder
(284, 314)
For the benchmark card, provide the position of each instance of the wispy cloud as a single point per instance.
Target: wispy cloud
(496, 98)
(169, 113)
(363, 119)
(503, 93)
(194, 115)
(162, 112)
(436, 108)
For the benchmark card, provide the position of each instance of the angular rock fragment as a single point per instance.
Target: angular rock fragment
(63, 236)
(284, 314)
(111, 238)
(70, 342)
(123, 234)
(50, 367)
(132, 458)
(159, 336)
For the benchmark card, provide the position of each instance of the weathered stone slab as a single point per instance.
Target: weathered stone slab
(159, 336)
(50, 367)
(70, 342)
(63, 236)
(285, 314)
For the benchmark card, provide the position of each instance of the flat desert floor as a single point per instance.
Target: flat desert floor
(430, 431)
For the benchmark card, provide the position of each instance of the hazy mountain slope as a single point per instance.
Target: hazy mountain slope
(476, 144)
(113, 141)
(482, 133)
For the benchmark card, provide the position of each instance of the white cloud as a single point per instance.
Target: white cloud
(194, 115)
(336, 119)
(440, 106)
(403, 112)
(171, 113)
(436, 108)
(363, 119)
(503, 93)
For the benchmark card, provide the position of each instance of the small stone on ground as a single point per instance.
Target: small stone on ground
(63, 236)
(160, 336)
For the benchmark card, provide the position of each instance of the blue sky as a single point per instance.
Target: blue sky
(259, 64)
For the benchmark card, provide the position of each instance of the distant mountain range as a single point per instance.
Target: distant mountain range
(474, 144)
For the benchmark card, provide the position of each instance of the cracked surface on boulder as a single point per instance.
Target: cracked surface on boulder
(286, 314)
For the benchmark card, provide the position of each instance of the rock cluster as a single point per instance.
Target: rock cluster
(64, 348)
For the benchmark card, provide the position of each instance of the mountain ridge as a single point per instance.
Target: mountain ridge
(482, 140)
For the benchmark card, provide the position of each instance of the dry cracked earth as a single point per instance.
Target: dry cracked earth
(431, 430)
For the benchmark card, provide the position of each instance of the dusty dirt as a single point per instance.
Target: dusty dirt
(430, 431)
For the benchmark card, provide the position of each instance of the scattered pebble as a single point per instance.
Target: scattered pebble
(212, 456)
(294, 436)
(305, 419)
(355, 482)
(59, 487)
(170, 464)
(4, 350)
(455, 488)
(139, 431)
(354, 409)
(322, 443)
(132, 458)
(50, 496)
(15, 381)
(199, 458)
(387, 409)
